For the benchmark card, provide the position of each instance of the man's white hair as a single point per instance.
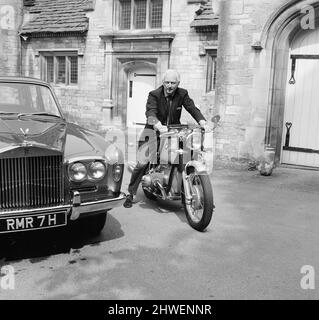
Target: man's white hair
(172, 72)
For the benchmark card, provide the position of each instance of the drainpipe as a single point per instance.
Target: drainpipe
(22, 38)
(19, 42)
(170, 26)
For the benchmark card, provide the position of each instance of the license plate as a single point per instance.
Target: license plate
(32, 222)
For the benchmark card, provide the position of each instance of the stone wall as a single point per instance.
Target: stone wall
(89, 102)
(186, 55)
(243, 94)
(243, 80)
(10, 21)
(83, 103)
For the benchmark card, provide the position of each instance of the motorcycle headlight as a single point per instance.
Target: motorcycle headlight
(117, 172)
(77, 172)
(97, 170)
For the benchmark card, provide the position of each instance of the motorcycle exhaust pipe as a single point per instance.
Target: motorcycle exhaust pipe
(163, 192)
(187, 190)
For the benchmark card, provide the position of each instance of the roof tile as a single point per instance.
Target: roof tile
(57, 16)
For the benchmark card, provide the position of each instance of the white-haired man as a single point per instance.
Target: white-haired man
(163, 107)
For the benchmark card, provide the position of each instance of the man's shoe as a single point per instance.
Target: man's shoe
(129, 201)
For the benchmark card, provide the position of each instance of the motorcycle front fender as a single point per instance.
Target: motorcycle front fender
(199, 167)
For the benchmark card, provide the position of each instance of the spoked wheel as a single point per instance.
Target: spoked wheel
(200, 209)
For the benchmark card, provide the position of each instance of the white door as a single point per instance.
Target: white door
(301, 145)
(140, 83)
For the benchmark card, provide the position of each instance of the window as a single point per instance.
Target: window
(125, 14)
(9, 94)
(211, 70)
(42, 100)
(156, 13)
(60, 68)
(27, 98)
(140, 14)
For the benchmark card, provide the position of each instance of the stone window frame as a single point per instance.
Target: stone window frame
(196, 1)
(55, 54)
(133, 17)
(211, 72)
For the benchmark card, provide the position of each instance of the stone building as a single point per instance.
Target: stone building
(103, 56)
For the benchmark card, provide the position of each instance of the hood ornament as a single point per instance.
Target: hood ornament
(25, 143)
(25, 133)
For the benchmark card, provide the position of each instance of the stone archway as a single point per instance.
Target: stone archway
(122, 52)
(276, 39)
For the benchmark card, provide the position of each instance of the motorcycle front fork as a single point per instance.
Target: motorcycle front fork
(187, 189)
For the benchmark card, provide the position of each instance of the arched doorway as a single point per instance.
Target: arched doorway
(283, 37)
(141, 80)
(300, 143)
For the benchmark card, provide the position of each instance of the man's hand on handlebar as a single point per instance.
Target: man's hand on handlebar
(159, 127)
(204, 125)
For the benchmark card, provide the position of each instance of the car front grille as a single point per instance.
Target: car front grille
(31, 182)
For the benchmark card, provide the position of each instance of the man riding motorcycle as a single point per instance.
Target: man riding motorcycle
(163, 107)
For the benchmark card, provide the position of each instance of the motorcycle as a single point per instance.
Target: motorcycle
(181, 172)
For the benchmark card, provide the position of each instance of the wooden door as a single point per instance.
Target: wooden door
(140, 83)
(301, 116)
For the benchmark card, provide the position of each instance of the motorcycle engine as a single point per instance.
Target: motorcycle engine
(160, 175)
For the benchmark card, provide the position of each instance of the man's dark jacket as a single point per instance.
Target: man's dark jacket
(158, 107)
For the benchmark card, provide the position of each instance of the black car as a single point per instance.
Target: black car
(52, 172)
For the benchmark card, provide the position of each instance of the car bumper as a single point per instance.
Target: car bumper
(79, 209)
(52, 217)
(75, 210)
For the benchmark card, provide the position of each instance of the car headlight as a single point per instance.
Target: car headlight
(77, 172)
(117, 172)
(97, 170)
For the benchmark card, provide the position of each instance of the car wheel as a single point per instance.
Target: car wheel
(95, 224)
(91, 225)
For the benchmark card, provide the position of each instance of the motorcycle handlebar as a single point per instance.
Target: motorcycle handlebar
(182, 126)
(214, 120)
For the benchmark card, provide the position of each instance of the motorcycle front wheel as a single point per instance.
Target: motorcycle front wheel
(199, 211)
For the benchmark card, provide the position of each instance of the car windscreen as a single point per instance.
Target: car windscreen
(27, 98)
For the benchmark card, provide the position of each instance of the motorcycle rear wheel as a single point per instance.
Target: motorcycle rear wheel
(199, 213)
